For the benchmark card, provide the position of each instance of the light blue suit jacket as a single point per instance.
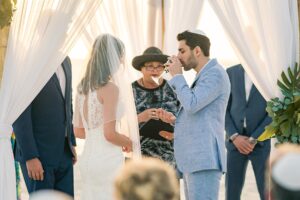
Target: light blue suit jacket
(199, 128)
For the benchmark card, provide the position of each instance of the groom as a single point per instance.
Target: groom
(199, 128)
(44, 136)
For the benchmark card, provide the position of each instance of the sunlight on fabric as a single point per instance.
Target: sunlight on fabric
(220, 45)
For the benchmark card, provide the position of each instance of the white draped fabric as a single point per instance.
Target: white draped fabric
(264, 35)
(155, 23)
(41, 35)
(179, 16)
(123, 19)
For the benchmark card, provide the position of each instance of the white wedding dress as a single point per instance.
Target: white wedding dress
(100, 159)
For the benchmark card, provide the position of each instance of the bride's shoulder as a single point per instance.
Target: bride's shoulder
(109, 91)
(111, 87)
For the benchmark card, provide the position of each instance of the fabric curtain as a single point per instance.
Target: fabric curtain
(124, 19)
(155, 23)
(41, 34)
(264, 35)
(179, 16)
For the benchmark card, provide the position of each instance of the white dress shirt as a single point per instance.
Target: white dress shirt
(62, 79)
(248, 86)
(60, 73)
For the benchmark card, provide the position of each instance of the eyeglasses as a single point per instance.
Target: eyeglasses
(158, 68)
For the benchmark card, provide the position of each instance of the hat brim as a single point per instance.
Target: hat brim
(139, 61)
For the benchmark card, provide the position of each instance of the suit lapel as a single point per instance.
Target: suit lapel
(252, 92)
(67, 71)
(210, 64)
(241, 83)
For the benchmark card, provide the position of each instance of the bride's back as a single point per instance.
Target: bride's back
(91, 110)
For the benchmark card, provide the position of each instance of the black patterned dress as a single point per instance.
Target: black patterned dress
(160, 97)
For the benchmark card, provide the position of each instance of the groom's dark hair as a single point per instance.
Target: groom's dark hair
(193, 40)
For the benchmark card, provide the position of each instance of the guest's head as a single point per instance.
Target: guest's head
(193, 50)
(49, 195)
(105, 59)
(284, 172)
(146, 179)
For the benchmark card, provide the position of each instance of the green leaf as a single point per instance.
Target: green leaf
(292, 76)
(267, 134)
(282, 86)
(287, 101)
(282, 118)
(294, 139)
(296, 93)
(287, 94)
(285, 80)
(285, 128)
(275, 109)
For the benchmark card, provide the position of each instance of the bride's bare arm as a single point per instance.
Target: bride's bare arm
(109, 97)
(79, 133)
(116, 138)
(77, 122)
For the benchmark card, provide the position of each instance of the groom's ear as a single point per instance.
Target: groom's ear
(197, 51)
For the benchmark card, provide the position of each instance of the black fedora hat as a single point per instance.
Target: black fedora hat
(151, 54)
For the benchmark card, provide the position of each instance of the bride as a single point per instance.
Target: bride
(104, 96)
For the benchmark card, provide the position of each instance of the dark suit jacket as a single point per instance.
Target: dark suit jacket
(40, 130)
(238, 108)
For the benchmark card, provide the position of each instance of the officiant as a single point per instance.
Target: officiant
(152, 92)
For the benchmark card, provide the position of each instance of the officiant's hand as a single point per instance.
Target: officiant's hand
(166, 116)
(35, 169)
(148, 114)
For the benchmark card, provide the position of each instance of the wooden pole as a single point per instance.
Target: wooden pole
(163, 23)
(3, 45)
(298, 1)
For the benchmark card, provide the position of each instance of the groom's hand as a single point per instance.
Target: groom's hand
(166, 116)
(174, 65)
(35, 169)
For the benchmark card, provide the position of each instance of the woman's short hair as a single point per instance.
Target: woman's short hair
(146, 179)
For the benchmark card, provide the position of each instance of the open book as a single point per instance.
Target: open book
(152, 128)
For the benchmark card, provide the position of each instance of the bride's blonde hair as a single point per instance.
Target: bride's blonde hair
(146, 179)
(105, 59)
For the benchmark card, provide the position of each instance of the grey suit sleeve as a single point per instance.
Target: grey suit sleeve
(206, 90)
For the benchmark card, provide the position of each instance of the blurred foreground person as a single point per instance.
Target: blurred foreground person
(284, 172)
(146, 179)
